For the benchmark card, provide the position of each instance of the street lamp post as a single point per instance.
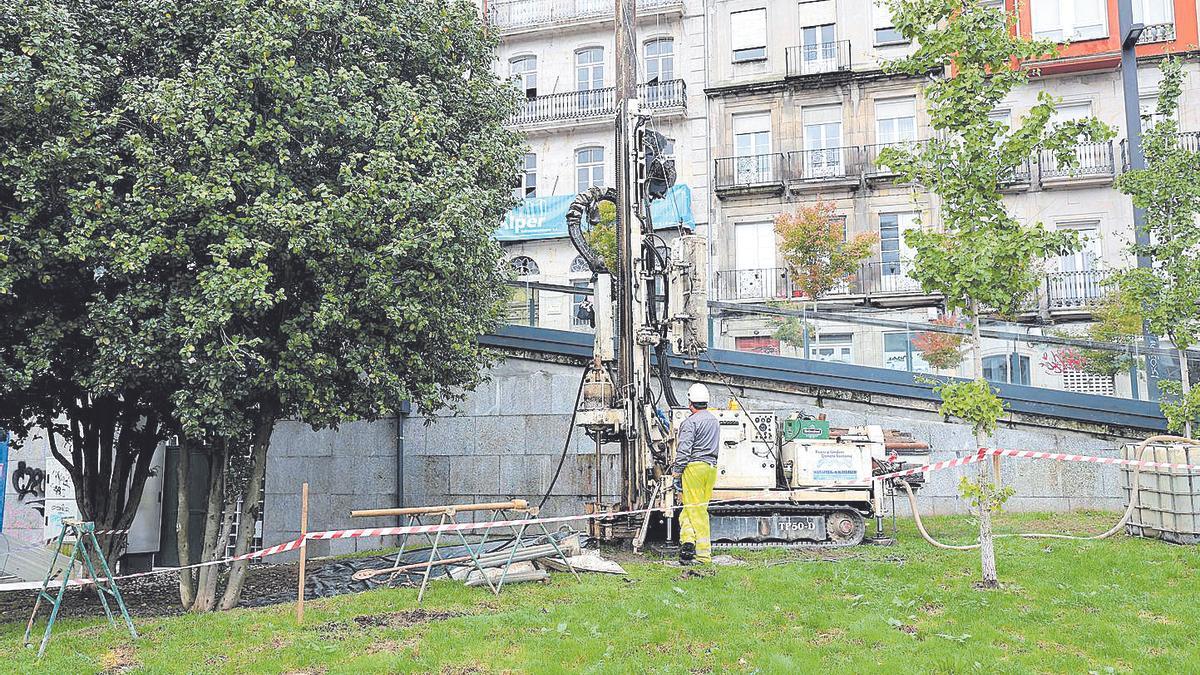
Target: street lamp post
(1130, 32)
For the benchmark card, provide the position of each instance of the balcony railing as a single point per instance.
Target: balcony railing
(891, 277)
(1094, 160)
(597, 103)
(1017, 175)
(874, 168)
(815, 59)
(531, 13)
(1158, 32)
(1188, 140)
(1074, 290)
(750, 171)
(770, 283)
(824, 164)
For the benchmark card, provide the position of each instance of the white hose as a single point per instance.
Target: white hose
(1133, 501)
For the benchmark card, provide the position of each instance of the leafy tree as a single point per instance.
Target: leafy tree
(818, 257)
(815, 250)
(982, 257)
(941, 350)
(242, 212)
(602, 236)
(1169, 190)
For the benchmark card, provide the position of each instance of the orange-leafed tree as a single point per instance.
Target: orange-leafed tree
(816, 251)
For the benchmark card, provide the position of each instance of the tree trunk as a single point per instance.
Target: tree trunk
(1185, 387)
(206, 585)
(987, 552)
(183, 517)
(251, 507)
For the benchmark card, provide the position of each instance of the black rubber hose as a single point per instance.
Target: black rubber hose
(567, 443)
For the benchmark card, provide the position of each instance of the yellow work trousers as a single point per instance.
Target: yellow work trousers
(698, 481)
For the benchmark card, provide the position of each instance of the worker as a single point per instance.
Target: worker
(696, 469)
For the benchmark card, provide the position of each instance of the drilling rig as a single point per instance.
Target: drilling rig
(792, 481)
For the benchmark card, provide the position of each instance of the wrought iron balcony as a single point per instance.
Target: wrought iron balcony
(1158, 32)
(825, 165)
(772, 283)
(816, 59)
(1188, 140)
(1094, 160)
(519, 14)
(873, 168)
(890, 277)
(751, 172)
(597, 103)
(1076, 290)
(1017, 175)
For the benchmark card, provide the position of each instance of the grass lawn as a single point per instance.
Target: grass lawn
(1114, 606)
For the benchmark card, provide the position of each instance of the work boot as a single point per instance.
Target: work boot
(687, 553)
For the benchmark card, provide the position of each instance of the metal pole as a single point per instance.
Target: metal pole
(1137, 160)
(626, 62)
(303, 552)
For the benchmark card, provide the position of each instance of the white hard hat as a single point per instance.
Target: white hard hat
(698, 393)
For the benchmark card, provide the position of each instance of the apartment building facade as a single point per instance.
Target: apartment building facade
(799, 107)
(559, 54)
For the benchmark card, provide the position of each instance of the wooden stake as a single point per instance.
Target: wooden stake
(303, 552)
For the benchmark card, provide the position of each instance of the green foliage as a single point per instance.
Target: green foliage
(236, 209)
(815, 249)
(792, 330)
(1178, 408)
(984, 495)
(602, 236)
(1116, 319)
(975, 401)
(982, 256)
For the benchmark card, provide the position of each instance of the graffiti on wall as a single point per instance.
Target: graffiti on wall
(25, 485)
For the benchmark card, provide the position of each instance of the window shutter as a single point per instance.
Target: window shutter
(896, 107)
(881, 16)
(748, 29)
(1046, 18)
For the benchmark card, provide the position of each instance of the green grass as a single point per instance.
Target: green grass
(1114, 606)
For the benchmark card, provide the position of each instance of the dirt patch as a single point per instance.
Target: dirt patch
(826, 636)
(410, 617)
(395, 647)
(696, 573)
(121, 659)
(156, 595)
(932, 608)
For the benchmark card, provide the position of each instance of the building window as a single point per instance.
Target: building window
(589, 79)
(899, 354)
(752, 148)
(523, 71)
(580, 267)
(1153, 12)
(895, 120)
(748, 35)
(1148, 108)
(589, 168)
(818, 49)
(881, 21)
(823, 141)
(1006, 369)
(835, 348)
(524, 266)
(754, 245)
(660, 60)
(527, 179)
(894, 254)
(761, 344)
(589, 69)
(1069, 20)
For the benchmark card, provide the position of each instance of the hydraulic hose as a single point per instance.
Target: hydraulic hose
(1133, 501)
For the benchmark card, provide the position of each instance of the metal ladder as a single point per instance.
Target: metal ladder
(86, 550)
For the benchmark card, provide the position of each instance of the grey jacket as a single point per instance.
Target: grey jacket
(699, 441)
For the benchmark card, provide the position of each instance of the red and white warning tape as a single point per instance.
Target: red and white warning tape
(1063, 457)
(462, 527)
